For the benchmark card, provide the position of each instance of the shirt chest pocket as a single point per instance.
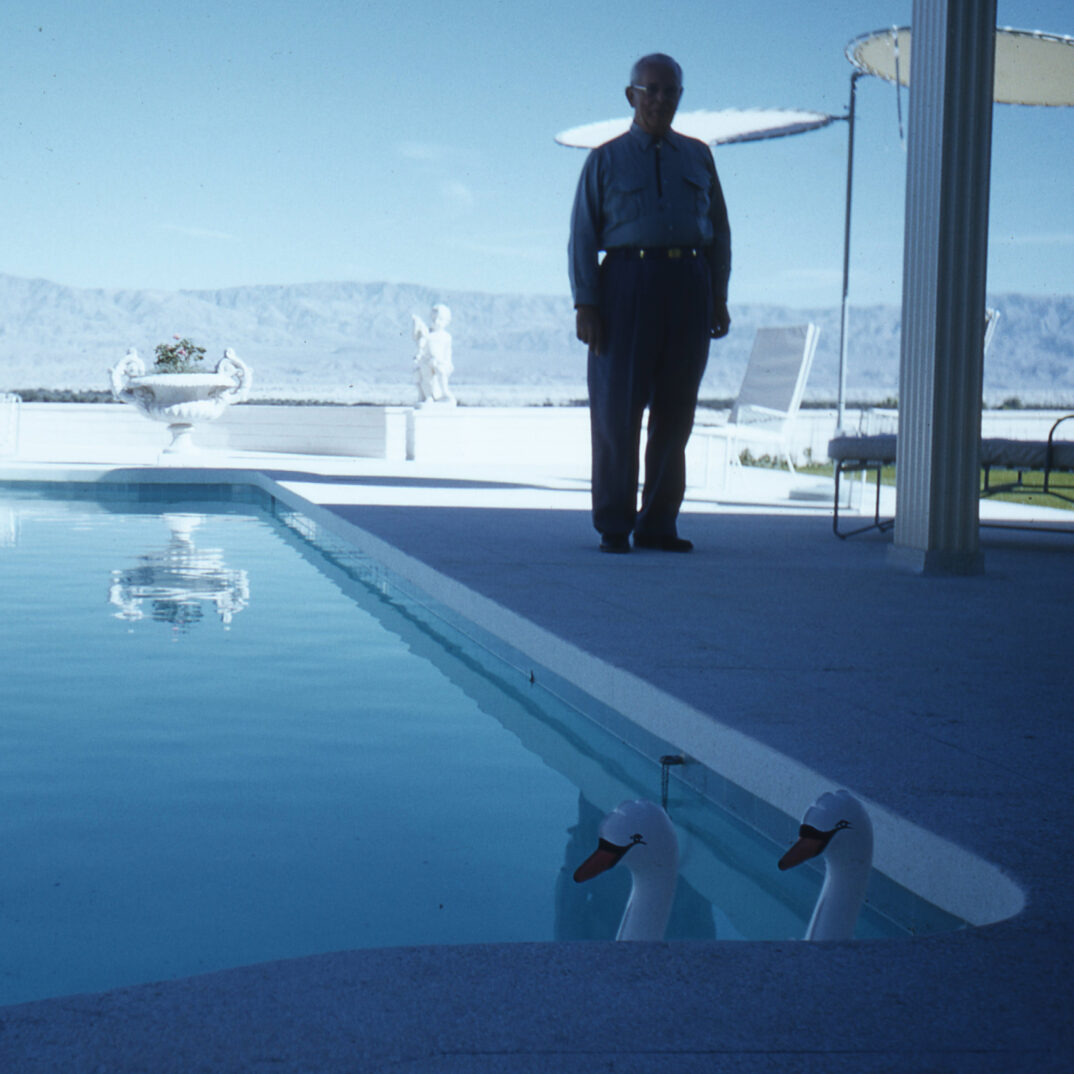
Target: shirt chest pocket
(696, 186)
(624, 201)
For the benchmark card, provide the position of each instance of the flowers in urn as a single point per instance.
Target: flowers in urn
(182, 356)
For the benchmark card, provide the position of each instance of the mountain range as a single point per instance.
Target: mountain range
(352, 341)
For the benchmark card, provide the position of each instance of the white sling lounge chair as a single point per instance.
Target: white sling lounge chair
(765, 411)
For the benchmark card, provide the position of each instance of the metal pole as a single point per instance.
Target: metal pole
(841, 400)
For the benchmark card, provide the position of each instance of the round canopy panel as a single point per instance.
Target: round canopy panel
(1031, 67)
(717, 128)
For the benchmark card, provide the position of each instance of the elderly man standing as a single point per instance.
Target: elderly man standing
(651, 200)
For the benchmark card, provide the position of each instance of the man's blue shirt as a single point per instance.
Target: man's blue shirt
(638, 191)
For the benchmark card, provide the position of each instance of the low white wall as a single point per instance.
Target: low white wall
(514, 435)
(1025, 424)
(365, 432)
(75, 432)
(103, 432)
(64, 432)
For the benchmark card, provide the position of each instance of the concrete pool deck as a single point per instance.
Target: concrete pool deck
(943, 700)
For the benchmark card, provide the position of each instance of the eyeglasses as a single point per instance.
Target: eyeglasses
(654, 89)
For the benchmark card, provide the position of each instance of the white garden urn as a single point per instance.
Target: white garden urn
(181, 399)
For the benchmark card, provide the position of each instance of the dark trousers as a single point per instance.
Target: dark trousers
(657, 317)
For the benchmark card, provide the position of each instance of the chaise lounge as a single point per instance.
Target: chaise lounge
(852, 454)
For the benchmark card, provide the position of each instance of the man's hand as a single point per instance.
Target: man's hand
(721, 319)
(588, 327)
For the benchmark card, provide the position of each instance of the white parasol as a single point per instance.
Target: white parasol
(1031, 68)
(725, 127)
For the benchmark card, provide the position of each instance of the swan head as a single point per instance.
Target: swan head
(638, 833)
(837, 826)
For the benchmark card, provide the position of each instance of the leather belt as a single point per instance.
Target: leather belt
(663, 253)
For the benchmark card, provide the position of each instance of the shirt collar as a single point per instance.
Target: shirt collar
(644, 140)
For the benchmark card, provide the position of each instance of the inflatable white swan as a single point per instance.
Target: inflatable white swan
(640, 834)
(837, 826)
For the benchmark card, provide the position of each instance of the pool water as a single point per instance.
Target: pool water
(221, 744)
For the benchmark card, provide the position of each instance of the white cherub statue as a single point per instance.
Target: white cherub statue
(432, 362)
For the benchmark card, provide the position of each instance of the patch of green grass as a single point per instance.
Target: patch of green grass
(1035, 497)
(817, 469)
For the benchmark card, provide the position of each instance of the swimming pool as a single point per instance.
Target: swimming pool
(224, 740)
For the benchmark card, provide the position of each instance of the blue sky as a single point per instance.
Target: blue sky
(199, 145)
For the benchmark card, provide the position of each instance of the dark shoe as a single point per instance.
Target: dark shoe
(665, 543)
(615, 542)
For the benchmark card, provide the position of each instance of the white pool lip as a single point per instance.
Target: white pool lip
(932, 867)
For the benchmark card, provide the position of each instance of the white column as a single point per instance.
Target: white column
(944, 269)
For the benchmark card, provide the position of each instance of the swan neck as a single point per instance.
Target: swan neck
(648, 908)
(839, 903)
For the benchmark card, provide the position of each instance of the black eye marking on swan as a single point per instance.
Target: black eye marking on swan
(618, 851)
(807, 831)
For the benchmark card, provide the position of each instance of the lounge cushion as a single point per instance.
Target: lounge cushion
(1027, 454)
(867, 450)
(1010, 454)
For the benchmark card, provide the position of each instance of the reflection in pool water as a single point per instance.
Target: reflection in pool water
(178, 580)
